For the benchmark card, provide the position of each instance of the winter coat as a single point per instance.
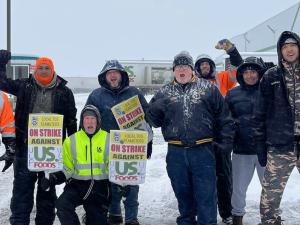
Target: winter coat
(240, 101)
(273, 117)
(25, 90)
(104, 98)
(193, 115)
(223, 80)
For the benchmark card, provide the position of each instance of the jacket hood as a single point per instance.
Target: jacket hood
(113, 65)
(254, 62)
(205, 58)
(96, 111)
(284, 33)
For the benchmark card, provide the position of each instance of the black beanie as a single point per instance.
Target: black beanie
(183, 58)
(287, 39)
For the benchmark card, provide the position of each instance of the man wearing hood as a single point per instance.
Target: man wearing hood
(114, 82)
(205, 68)
(85, 159)
(240, 101)
(191, 113)
(43, 92)
(276, 125)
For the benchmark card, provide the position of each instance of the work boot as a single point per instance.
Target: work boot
(278, 221)
(237, 220)
(114, 220)
(227, 221)
(133, 223)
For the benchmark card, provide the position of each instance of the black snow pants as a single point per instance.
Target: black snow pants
(23, 194)
(95, 205)
(224, 183)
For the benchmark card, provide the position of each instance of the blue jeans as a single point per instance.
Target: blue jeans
(193, 178)
(130, 203)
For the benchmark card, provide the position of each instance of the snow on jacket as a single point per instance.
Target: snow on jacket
(223, 80)
(273, 117)
(194, 115)
(25, 90)
(104, 98)
(240, 101)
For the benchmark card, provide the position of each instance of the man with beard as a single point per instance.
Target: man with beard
(114, 82)
(205, 68)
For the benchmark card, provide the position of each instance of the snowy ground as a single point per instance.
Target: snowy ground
(158, 206)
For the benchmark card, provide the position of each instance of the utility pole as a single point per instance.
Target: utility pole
(9, 68)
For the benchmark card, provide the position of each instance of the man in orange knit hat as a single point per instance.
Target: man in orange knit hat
(43, 92)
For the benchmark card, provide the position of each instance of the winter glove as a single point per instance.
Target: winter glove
(5, 56)
(269, 65)
(54, 179)
(149, 149)
(261, 152)
(226, 45)
(124, 191)
(9, 158)
(158, 107)
(225, 146)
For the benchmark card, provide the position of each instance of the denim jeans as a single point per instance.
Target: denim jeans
(193, 178)
(130, 203)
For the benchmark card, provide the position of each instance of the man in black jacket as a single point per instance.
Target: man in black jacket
(276, 125)
(191, 113)
(43, 92)
(240, 101)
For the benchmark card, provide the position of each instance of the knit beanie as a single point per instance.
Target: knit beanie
(183, 58)
(44, 80)
(89, 113)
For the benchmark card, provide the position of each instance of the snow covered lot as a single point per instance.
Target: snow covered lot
(158, 205)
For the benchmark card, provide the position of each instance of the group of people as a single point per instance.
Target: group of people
(217, 132)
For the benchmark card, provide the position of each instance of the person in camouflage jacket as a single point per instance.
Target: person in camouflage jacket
(276, 125)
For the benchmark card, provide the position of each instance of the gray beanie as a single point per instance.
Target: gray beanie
(89, 113)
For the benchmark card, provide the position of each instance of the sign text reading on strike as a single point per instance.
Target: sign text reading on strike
(130, 116)
(45, 133)
(128, 148)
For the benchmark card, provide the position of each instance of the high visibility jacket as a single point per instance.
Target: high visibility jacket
(7, 120)
(86, 158)
(224, 80)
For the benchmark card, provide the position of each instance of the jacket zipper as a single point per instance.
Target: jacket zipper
(92, 179)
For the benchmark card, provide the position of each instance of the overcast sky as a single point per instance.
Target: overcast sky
(79, 35)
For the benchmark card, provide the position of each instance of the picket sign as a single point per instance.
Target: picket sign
(128, 146)
(45, 137)
(127, 157)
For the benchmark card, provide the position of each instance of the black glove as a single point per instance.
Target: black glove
(149, 149)
(225, 146)
(9, 158)
(54, 179)
(261, 150)
(124, 191)
(269, 65)
(5, 56)
(158, 107)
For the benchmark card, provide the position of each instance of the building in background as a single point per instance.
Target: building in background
(263, 38)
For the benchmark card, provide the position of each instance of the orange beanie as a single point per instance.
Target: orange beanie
(44, 80)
